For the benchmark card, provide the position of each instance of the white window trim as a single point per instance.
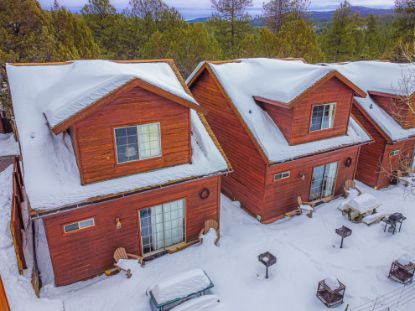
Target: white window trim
(79, 225)
(284, 175)
(334, 104)
(138, 143)
(395, 153)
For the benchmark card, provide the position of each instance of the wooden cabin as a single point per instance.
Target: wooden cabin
(115, 154)
(388, 114)
(286, 129)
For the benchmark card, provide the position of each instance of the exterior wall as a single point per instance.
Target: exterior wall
(94, 142)
(283, 117)
(397, 109)
(392, 163)
(86, 253)
(246, 183)
(375, 162)
(281, 196)
(332, 91)
(2, 125)
(371, 155)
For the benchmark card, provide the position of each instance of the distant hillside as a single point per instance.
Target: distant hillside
(319, 16)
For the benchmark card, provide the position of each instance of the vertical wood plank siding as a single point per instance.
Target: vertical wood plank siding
(94, 142)
(87, 253)
(281, 196)
(247, 181)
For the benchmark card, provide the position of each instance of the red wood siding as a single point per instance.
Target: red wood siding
(4, 304)
(80, 255)
(371, 155)
(94, 143)
(397, 109)
(332, 91)
(283, 117)
(246, 183)
(281, 196)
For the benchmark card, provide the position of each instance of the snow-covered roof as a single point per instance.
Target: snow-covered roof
(280, 81)
(51, 173)
(8, 145)
(381, 77)
(79, 84)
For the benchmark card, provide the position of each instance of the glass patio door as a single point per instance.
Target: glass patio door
(323, 181)
(162, 226)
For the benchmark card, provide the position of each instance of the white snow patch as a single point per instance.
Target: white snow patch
(180, 286)
(203, 303)
(8, 145)
(332, 283)
(364, 203)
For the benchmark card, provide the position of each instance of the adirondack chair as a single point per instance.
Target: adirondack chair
(121, 253)
(210, 224)
(306, 206)
(348, 185)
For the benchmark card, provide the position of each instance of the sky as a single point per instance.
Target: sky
(202, 8)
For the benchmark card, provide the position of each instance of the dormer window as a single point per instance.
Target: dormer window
(139, 142)
(322, 117)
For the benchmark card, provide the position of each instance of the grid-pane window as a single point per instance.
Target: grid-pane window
(138, 142)
(149, 140)
(283, 175)
(162, 226)
(323, 181)
(127, 144)
(322, 117)
(413, 161)
(79, 225)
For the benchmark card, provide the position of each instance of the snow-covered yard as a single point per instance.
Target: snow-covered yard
(307, 250)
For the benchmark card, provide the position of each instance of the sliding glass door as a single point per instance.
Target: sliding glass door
(323, 181)
(162, 226)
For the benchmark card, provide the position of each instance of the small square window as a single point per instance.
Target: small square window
(283, 175)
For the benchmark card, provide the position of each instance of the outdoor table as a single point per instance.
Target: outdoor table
(393, 220)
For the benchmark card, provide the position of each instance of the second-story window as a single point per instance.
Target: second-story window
(322, 117)
(138, 142)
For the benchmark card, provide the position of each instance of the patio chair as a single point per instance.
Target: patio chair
(306, 206)
(210, 224)
(348, 185)
(121, 254)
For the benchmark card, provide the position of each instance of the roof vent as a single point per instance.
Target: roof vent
(371, 106)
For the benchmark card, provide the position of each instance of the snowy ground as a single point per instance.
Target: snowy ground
(307, 251)
(8, 145)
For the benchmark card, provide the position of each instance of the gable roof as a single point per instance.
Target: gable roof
(79, 85)
(381, 78)
(244, 80)
(52, 177)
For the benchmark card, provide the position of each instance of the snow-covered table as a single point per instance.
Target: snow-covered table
(177, 289)
(360, 207)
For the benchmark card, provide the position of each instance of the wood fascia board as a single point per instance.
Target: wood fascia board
(238, 115)
(375, 125)
(263, 100)
(327, 77)
(136, 82)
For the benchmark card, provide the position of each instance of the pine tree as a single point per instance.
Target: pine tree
(73, 38)
(263, 43)
(298, 39)
(337, 40)
(404, 30)
(230, 23)
(279, 11)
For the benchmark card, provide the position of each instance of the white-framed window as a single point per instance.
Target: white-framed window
(322, 117)
(138, 142)
(79, 225)
(394, 153)
(282, 175)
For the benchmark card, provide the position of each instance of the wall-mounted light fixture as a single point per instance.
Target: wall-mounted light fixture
(301, 176)
(118, 223)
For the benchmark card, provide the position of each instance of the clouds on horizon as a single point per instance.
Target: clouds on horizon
(201, 8)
